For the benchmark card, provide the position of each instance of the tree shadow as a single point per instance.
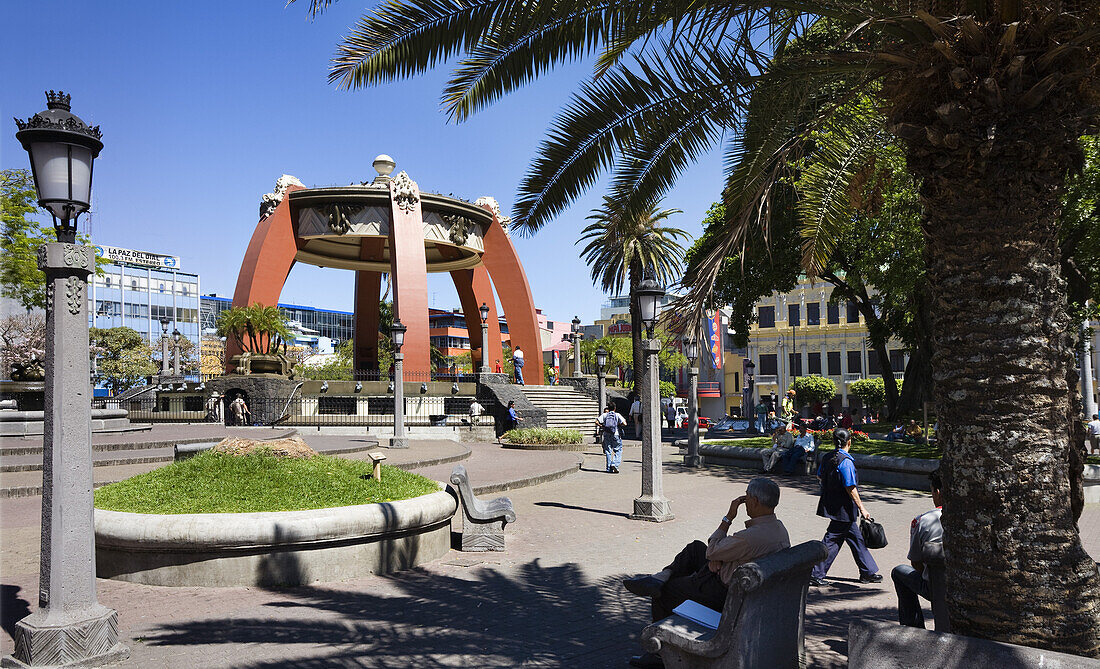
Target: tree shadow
(572, 507)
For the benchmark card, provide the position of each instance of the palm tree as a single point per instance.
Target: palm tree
(622, 249)
(989, 99)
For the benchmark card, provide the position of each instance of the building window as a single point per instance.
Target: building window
(873, 368)
(107, 280)
(855, 362)
(184, 289)
(897, 361)
(813, 314)
(833, 311)
(769, 364)
(766, 317)
(813, 362)
(162, 286)
(336, 406)
(795, 361)
(793, 315)
(853, 313)
(133, 284)
(834, 362)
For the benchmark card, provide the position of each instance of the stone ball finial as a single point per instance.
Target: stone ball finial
(384, 165)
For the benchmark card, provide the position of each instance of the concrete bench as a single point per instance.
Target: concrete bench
(482, 520)
(761, 624)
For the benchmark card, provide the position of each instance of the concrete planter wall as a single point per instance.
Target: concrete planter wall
(281, 548)
(29, 423)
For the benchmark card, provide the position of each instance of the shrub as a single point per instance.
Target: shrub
(813, 389)
(872, 392)
(543, 435)
(668, 389)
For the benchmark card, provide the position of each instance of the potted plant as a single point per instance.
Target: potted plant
(262, 334)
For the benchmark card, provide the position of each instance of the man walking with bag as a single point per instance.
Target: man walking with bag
(611, 423)
(841, 504)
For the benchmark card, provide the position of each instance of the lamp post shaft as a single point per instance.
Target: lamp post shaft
(399, 439)
(601, 384)
(70, 624)
(164, 354)
(652, 505)
(577, 355)
(1088, 403)
(484, 348)
(176, 369)
(692, 457)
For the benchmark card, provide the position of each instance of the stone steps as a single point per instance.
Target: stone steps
(565, 407)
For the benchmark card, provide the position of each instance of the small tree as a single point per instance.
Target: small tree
(336, 367)
(813, 389)
(872, 392)
(124, 357)
(263, 327)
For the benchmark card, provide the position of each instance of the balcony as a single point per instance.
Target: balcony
(766, 379)
(848, 378)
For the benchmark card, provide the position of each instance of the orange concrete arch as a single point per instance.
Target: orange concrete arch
(409, 275)
(510, 281)
(267, 264)
(474, 288)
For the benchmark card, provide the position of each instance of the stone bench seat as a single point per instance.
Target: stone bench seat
(761, 623)
(483, 521)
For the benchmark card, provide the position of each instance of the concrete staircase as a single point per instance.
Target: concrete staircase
(565, 407)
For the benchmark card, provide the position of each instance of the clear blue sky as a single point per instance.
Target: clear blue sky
(204, 105)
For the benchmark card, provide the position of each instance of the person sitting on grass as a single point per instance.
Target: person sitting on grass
(702, 572)
(897, 434)
(782, 441)
(913, 433)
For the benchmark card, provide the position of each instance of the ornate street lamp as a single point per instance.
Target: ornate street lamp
(750, 390)
(164, 322)
(176, 352)
(70, 625)
(691, 352)
(397, 334)
(577, 336)
(652, 504)
(484, 309)
(601, 370)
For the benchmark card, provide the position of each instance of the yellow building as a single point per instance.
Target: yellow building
(799, 333)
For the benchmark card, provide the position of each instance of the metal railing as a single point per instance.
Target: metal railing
(411, 376)
(298, 411)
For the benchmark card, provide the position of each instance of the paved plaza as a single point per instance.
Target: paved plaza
(553, 599)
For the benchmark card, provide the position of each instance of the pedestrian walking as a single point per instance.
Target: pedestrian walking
(761, 415)
(214, 408)
(611, 423)
(670, 415)
(239, 410)
(636, 416)
(841, 504)
(475, 413)
(1094, 434)
(517, 364)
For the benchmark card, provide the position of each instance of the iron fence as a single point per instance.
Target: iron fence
(356, 410)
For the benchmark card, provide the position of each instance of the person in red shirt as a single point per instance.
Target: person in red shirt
(846, 421)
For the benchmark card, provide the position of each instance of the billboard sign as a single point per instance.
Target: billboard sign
(620, 328)
(142, 258)
(714, 339)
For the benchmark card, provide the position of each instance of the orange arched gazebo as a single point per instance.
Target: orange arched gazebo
(390, 226)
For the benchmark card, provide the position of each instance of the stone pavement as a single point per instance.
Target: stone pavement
(554, 599)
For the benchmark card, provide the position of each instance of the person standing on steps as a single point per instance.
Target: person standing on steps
(841, 504)
(517, 364)
(611, 423)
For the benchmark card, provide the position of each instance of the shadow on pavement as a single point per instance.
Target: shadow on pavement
(13, 608)
(559, 505)
(547, 615)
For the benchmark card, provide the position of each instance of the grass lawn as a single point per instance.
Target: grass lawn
(869, 447)
(214, 482)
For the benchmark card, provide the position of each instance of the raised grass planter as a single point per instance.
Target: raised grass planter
(546, 447)
(274, 548)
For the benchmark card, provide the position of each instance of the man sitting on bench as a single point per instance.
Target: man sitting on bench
(701, 572)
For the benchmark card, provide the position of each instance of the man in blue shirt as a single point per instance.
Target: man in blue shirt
(803, 446)
(840, 503)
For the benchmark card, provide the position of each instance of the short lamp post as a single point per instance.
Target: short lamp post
(164, 322)
(397, 333)
(750, 391)
(70, 625)
(601, 370)
(484, 309)
(651, 505)
(691, 352)
(176, 369)
(577, 336)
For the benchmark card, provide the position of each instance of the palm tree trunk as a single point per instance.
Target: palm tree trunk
(1016, 569)
(635, 278)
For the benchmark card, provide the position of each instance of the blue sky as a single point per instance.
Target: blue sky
(204, 105)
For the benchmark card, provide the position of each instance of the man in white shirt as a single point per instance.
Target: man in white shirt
(913, 581)
(803, 446)
(1094, 434)
(475, 413)
(636, 417)
(517, 364)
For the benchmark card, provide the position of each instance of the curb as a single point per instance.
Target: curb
(528, 481)
(576, 448)
(420, 464)
(129, 446)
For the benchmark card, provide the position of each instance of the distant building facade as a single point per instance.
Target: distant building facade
(318, 329)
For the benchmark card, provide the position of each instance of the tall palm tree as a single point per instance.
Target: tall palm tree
(621, 249)
(988, 97)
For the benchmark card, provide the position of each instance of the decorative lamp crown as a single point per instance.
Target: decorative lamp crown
(58, 100)
(384, 165)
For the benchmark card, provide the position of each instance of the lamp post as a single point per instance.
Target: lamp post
(750, 391)
(651, 505)
(397, 333)
(70, 625)
(691, 352)
(577, 336)
(177, 370)
(601, 369)
(484, 309)
(164, 346)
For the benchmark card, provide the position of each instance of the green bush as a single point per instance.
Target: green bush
(872, 392)
(668, 389)
(543, 435)
(813, 389)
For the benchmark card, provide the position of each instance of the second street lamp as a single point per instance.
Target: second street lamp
(601, 369)
(397, 333)
(176, 369)
(577, 336)
(652, 504)
(484, 309)
(691, 352)
(164, 322)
